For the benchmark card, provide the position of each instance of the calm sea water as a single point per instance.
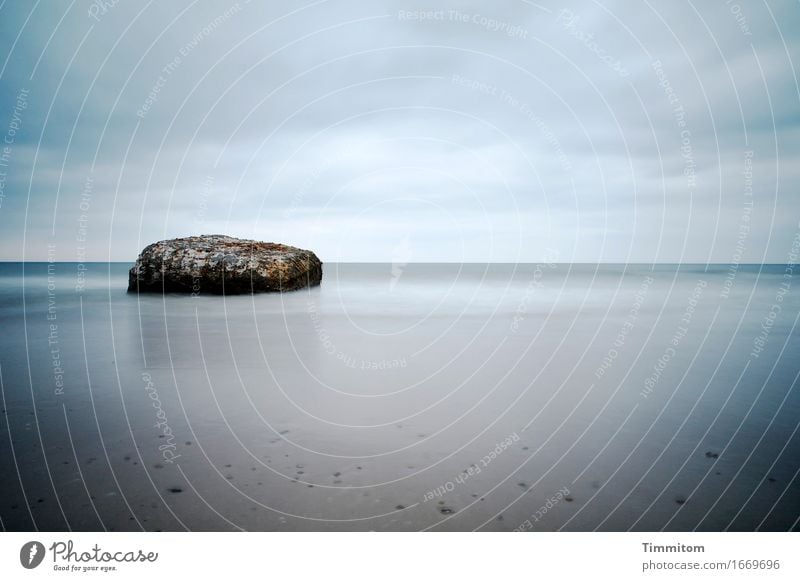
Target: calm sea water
(403, 397)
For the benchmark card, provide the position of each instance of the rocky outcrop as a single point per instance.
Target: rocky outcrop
(223, 265)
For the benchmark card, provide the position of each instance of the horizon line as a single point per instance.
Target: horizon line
(11, 261)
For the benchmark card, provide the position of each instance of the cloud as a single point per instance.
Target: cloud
(467, 131)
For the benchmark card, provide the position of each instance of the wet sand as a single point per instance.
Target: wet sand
(403, 397)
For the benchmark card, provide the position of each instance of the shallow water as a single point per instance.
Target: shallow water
(403, 397)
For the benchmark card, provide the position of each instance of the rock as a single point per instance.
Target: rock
(222, 264)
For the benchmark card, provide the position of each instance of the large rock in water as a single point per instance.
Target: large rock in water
(223, 264)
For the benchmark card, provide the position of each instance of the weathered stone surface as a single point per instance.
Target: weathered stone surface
(223, 264)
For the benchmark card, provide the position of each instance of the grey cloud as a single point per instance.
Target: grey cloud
(479, 131)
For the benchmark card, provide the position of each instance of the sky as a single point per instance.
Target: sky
(421, 131)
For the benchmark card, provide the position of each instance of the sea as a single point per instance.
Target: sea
(404, 397)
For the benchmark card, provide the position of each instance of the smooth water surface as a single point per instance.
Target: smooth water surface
(403, 397)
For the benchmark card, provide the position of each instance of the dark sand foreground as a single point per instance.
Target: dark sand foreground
(403, 397)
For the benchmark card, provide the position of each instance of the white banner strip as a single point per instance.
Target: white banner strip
(355, 556)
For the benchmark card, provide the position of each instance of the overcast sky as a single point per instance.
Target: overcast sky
(414, 130)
